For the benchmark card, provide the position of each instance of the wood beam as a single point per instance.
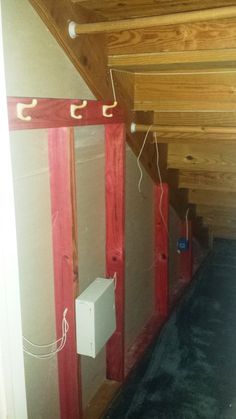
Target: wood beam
(115, 244)
(217, 216)
(189, 134)
(198, 91)
(224, 232)
(147, 22)
(88, 53)
(203, 119)
(220, 58)
(212, 35)
(217, 181)
(200, 157)
(213, 198)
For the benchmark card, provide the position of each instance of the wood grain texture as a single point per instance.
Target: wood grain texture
(156, 20)
(164, 61)
(52, 113)
(64, 233)
(217, 216)
(203, 119)
(204, 91)
(217, 181)
(115, 236)
(224, 232)
(209, 158)
(99, 403)
(185, 37)
(161, 250)
(212, 198)
(87, 53)
(114, 9)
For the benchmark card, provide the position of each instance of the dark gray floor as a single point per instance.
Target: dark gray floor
(190, 373)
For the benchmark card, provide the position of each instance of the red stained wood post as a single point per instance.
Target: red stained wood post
(115, 236)
(64, 234)
(161, 250)
(186, 258)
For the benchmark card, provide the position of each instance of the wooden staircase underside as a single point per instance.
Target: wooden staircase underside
(174, 68)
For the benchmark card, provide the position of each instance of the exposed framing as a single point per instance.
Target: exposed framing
(55, 114)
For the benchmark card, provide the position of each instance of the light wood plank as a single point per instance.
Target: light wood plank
(200, 157)
(224, 232)
(220, 119)
(218, 181)
(156, 20)
(101, 400)
(213, 198)
(115, 9)
(186, 37)
(214, 217)
(174, 60)
(204, 91)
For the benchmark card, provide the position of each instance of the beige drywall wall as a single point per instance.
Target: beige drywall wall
(90, 183)
(139, 249)
(36, 66)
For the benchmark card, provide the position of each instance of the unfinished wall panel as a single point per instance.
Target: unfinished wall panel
(139, 250)
(90, 176)
(33, 221)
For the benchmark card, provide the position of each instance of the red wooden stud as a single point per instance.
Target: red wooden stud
(161, 250)
(64, 231)
(186, 258)
(115, 236)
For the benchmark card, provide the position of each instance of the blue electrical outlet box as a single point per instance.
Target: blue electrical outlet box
(182, 244)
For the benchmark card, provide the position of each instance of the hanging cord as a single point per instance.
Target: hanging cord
(186, 220)
(113, 85)
(61, 341)
(138, 159)
(161, 184)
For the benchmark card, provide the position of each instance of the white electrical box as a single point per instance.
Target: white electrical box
(95, 316)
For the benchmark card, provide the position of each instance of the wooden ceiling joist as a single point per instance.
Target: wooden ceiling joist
(207, 181)
(188, 134)
(223, 232)
(198, 91)
(212, 198)
(213, 157)
(202, 119)
(198, 59)
(220, 34)
(150, 21)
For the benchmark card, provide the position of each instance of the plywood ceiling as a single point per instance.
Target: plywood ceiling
(173, 75)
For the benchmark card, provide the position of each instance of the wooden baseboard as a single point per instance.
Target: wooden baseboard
(100, 402)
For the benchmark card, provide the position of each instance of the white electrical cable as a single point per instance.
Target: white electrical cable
(138, 159)
(113, 85)
(54, 351)
(161, 184)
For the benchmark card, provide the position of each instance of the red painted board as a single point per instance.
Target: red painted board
(53, 113)
(60, 146)
(115, 236)
(161, 250)
(186, 258)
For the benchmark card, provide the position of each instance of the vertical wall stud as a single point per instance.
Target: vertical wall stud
(64, 235)
(161, 250)
(115, 236)
(186, 258)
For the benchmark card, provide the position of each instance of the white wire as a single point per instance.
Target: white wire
(138, 159)
(112, 85)
(161, 184)
(53, 352)
(186, 219)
